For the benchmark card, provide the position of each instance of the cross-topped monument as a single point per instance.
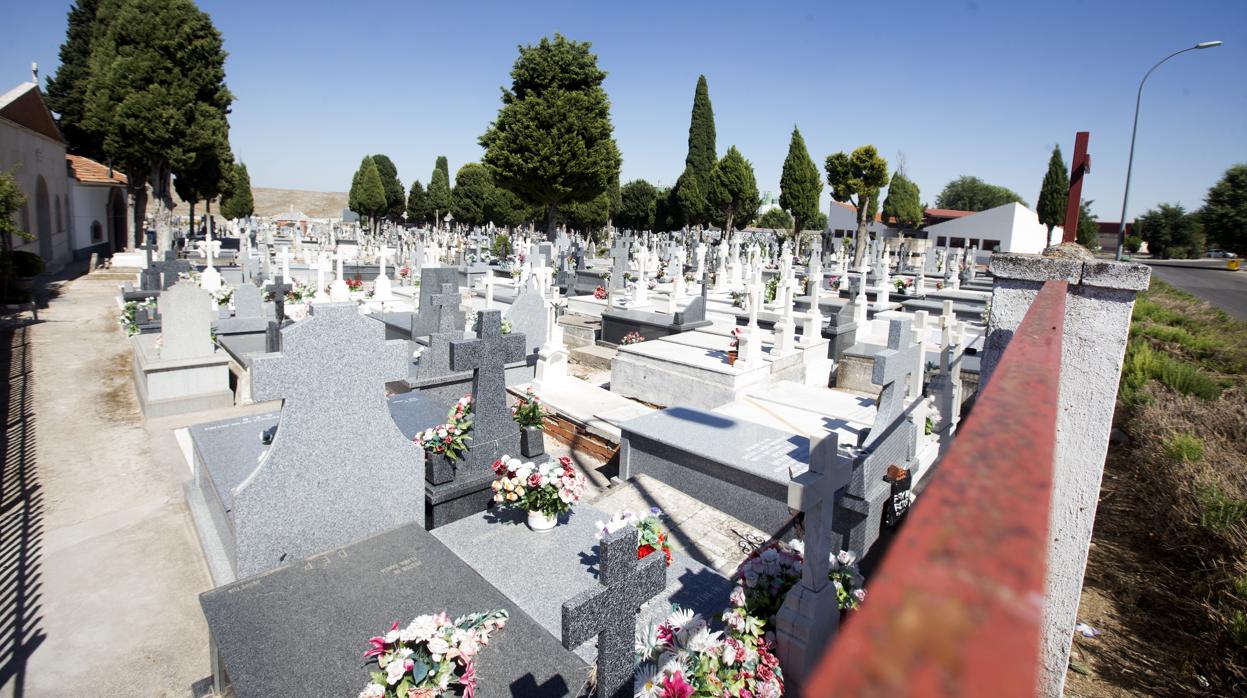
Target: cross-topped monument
(610, 610)
(336, 443)
(487, 357)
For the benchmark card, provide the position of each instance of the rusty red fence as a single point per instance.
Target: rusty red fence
(955, 607)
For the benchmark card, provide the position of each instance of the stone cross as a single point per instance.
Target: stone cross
(619, 263)
(916, 379)
(810, 614)
(446, 305)
(383, 256)
(892, 370)
(487, 357)
(321, 266)
(280, 288)
(610, 610)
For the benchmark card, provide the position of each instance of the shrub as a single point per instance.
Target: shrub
(1219, 509)
(1185, 448)
(1132, 243)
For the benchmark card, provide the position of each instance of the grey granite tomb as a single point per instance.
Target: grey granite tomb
(528, 317)
(327, 606)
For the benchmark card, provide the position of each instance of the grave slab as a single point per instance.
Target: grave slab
(330, 604)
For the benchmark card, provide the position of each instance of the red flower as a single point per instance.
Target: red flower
(674, 686)
(499, 468)
(643, 551)
(534, 480)
(565, 461)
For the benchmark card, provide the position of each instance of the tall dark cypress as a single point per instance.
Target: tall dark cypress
(67, 90)
(702, 154)
(1054, 194)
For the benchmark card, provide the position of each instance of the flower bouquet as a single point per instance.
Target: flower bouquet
(689, 278)
(681, 657)
(530, 415)
(404, 272)
(833, 283)
(902, 284)
(738, 298)
(652, 534)
(223, 295)
(515, 273)
(431, 657)
(632, 337)
(450, 439)
(733, 346)
(599, 293)
(353, 285)
(544, 491)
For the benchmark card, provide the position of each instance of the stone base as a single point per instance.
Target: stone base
(665, 373)
(170, 387)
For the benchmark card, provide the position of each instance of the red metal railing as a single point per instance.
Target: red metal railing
(955, 607)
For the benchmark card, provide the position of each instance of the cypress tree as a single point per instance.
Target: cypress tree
(439, 192)
(417, 204)
(1054, 194)
(702, 153)
(799, 184)
(353, 201)
(394, 198)
(443, 165)
(691, 196)
(371, 192)
(238, 201)
(66, 92)
(733, 191)
(470, 199)
(902, 203)
(552, 142)
(638, 200)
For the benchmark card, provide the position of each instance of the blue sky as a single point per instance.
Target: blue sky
(979, 87)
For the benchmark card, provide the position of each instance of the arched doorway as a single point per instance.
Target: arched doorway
(117, 220)
(43, 219)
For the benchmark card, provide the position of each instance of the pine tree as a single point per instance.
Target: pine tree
(443, 165)
(856, 180)
(799, 184)
(1224, 215)
(775, 219)
(394, 198)
(238, 201)
(733, 191)
(157, 78)
(470, 199)
(353, 201)
(1054, 194)
(417, 204)
(902, 204)
(702, 154)
(438, 194)
(552, 142)
(691, 197)
(973, 194)
(1088, 227)
(638, 200)
(67, 90)
(371, 192)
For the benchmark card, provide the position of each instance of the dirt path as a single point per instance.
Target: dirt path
(95, 531)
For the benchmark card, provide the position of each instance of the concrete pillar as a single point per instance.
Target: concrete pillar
(1097, 324)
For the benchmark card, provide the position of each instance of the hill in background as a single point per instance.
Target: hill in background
(270, 202)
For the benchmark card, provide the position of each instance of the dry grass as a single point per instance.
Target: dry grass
(1167, 574)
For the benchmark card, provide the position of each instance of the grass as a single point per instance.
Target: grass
(1167, 571)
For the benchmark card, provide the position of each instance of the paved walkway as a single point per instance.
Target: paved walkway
(101, 567)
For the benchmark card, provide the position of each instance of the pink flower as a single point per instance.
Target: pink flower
(674, 686)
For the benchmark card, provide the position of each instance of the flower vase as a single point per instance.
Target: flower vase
(532, 442)
(540, 523)
(438, 468)
(731, 357)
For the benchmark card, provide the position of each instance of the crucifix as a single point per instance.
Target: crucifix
(892, 370)
(487, 357)
(280, 288)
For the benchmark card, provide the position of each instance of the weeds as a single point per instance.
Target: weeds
(1185, 448)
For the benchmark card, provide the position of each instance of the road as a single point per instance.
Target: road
(1208, 279)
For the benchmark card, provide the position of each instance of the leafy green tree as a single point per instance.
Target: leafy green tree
(438, 195)
(469, 202)
(733, 192)
(667, 213)
(157, 74)
(1088, 226)
(1171, 232)
(587, 216)
(614, 198)
(799, 183)
(66, 92)
(353, 201)
(508, 210)
(818, 222)
(395, 201)
(204, 174)
(444, 165)
(1224, 215)
(902, 203)
(237, 200)
(702, 155)
(638, 202)
(973, 194)
(691, 197)
(11, 201)
(1054, 194)
(417, 204)
(775, 219)
(552, 142)
(371, 199)
(856, 180)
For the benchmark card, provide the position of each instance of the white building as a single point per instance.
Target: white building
(1008, 228)
(98, 221)
(33, 150)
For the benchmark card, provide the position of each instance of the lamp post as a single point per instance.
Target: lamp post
(1121, 227)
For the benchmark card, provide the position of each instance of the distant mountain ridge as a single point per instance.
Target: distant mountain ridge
(270, 202)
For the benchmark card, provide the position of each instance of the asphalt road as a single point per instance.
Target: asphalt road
(1208, 279)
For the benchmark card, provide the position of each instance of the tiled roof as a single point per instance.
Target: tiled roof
(851, 207)
(947, 213)
(88, 171)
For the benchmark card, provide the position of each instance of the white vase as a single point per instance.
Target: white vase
(541, 523)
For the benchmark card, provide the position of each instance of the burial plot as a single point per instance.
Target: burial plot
(432, 372)
(338, 468)
(328, 605)
(619, 322)
(180, 370)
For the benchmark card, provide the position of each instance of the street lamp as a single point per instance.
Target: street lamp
(1121, 227)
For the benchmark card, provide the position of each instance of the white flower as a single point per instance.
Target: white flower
(422, 628)
(647, 642)
(394, 672)
(391, 637)
(373, 690)
(703, 640)
(681, 618)
(647, 682)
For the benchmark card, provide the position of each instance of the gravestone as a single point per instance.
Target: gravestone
(434, 361)
(892, 441)
(619, 262)
(249, 313)
(338, 469)
(185, 322)
(528, 316)
(335, 601)
(431, 281)
(610, 612)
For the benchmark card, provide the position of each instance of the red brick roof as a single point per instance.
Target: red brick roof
(947, 213)
(88, 171)
(851, 207)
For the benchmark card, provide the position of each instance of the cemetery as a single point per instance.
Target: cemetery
(526, 431)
